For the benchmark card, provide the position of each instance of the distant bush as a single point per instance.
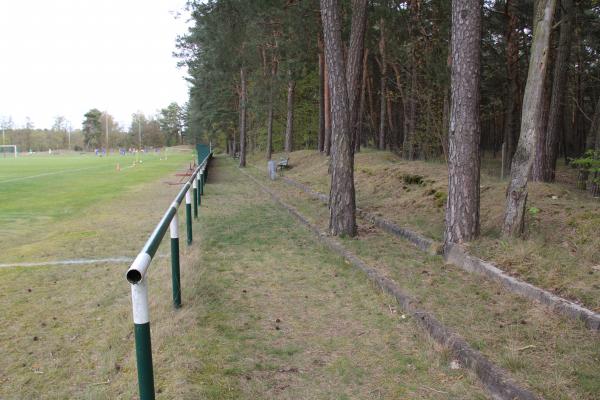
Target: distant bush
(589, 171)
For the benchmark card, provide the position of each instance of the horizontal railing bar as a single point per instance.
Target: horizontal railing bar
(138, 268)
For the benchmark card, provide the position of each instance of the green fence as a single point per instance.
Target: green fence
(137, 272)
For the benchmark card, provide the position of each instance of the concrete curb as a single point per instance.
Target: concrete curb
(421, 242)
(494, 379)
(457, 255)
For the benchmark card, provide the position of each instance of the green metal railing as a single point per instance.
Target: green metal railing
(137, 272)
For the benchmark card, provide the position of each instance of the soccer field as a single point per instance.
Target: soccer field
(41, 195)
(66, 327)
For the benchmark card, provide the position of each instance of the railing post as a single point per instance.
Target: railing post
(202, 181)
(188, 216)
(143, 344)
(195, 188)
(199, 184)
(175, 273)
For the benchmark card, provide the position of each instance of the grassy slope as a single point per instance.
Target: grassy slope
(550, 354)
(563, 243)
(60, 207)
(69, 332)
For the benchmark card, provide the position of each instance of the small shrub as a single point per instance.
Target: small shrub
(440, 199)
(410, 179)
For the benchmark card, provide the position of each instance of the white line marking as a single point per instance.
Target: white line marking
(50, 173)
(82, 261)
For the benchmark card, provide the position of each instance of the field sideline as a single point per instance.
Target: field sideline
(42, 196)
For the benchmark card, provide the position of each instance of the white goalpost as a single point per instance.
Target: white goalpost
(8, 149)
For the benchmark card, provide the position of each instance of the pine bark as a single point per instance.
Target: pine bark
(462, 210)
(321, 136)
(382, 94)
(243, 118)
(272, 74)
(559, 83)
(542, 120)
(327, 109)
(361, 108)
(355, 65)
(512, 69)
(270, 125)
(409, 139)
(342, 207)
(516, 200)
(289, 126)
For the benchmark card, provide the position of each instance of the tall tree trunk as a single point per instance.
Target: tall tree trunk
(404, 100)
(355, 64)
(361, 108)
(445, 125)
(559, 83)
(409, 139)
(542, 120)
(392, 134)
(272, 73)
(372, 114)
(270, 124)
(327, 109)
(464, 135)
(243, 118)
(579, 120)
(409, 150)
(382, 94)
(593, 136)
(516, 199)
(512, 69)
(289, 127)
(342, 206)
(321, 136)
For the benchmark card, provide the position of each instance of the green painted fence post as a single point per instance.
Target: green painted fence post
(202, 180)
(200, 191)
(175, 272)
(188, 216)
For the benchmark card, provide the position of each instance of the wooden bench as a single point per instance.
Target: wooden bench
(283, 164)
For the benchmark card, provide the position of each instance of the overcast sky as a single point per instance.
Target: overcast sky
(64, 57)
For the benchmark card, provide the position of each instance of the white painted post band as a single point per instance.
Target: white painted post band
(188, 197)
(174, 227)
(139, 299)
(195, 183)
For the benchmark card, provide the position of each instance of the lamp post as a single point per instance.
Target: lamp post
(140, 131)
(106, 123)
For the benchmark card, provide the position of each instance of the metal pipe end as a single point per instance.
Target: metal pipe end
(134, 276)
(138, 268)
